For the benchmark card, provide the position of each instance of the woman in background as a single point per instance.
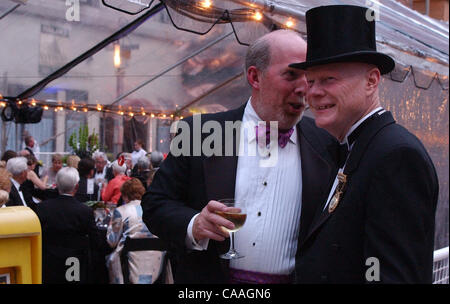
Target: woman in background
(112, 191)
(144, 266)
(33, 188)
(73, 161)
(57, 162)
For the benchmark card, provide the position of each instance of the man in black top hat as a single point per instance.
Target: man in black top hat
(377, 224)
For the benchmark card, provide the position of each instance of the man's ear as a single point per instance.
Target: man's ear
(253, 77)
(373, 79)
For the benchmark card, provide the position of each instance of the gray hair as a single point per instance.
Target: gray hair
(258, 54)
(99, 154)
(143, 163)
(156, 158)
(67, 179)
(17, 165)
(118, 168)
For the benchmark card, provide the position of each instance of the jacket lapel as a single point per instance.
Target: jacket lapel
(373, 127)
(377, 123)
(220, 171)
(315, 165)
(14, 197)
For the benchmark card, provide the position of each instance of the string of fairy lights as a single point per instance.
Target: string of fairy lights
(85, 108)
(58, 106)
(255, 15)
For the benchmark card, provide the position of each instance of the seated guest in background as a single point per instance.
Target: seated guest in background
(112, 191)
(109, 175)
(87, 189)
(6, 156)
(72, 161)
(56, 166)
(32, 176)
(33, 187)
(4, 197)
(128, 163)
(137, 153)
(18, 168)
(101, 165)
(144, 266)
(68, 230)
(144, 171)
(156, 158)
(5, 184)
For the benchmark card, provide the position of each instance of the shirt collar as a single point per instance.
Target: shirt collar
(357, 124)
(251, 118)
(15, 183)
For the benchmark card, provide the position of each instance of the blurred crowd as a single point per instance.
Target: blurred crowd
(100, 178)
(60, 194)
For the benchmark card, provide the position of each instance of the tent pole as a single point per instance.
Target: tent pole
(117, 35)
(9, 11)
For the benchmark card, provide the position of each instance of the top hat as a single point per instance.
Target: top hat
(342, 33)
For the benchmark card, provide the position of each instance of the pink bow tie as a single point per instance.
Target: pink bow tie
(283, 136)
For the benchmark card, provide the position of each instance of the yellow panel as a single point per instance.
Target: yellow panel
(20, 244)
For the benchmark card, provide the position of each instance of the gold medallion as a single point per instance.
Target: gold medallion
(338, 192)
(334, 201)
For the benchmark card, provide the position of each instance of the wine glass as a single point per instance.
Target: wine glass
(237, 214)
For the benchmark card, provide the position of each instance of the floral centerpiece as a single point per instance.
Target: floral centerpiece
(83, 144)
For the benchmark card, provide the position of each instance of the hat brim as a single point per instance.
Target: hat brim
(384, 62)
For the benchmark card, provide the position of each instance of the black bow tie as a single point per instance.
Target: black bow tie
(342, 154)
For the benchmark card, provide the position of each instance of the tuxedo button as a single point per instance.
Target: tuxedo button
(259, 213)
(265, 183)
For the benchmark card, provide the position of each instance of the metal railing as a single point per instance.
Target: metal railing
(440, 266)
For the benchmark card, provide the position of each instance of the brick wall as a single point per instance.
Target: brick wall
(438, 8)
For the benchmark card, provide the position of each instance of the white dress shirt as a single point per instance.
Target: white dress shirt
(100, 177)
(135, 155)
(272, 193)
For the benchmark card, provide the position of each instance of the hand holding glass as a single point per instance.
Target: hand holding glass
(235, 213)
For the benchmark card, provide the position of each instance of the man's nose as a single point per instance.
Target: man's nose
(301, 86)
(314, 90)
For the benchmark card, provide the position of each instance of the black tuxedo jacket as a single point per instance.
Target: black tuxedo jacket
(82, 195)
(15, 200)
(68, 230)
(387, 212)
(183, 186)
